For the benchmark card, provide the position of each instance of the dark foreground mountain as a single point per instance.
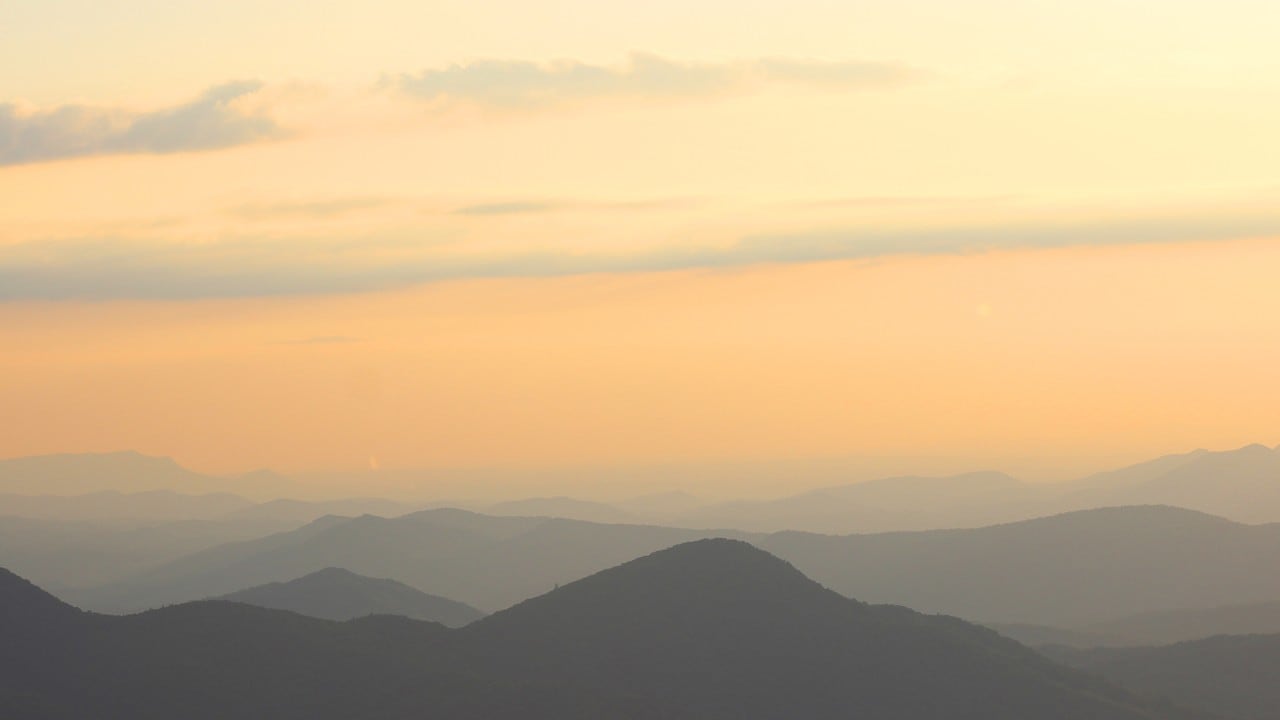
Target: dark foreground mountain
(1232, 676)
(337, 594)
(711, 629)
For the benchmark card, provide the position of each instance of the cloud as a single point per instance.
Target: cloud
(320, 209)
(533, 207)
(213, 120)
(321, 340)
(508, 208)
(120, 269)
(523, 84)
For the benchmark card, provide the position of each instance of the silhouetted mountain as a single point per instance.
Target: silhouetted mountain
(707, 630)
(562, 507)
(124, 509)
(1233, 676)
(487, 562)
(1243, 484)
(78, 474)
(60, 554)
(129, 472)
(661, 507)
(889, 504)
(1042, 635)
(1066, 570)
(1156, 628)
(87, 540)
(1162, 628)
(337, 594)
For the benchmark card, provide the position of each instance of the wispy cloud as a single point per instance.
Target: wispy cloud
(118, 269)
(533, 207)
(213, 120)
(319, 209)
(321, 340)
(522, 84)
(509, 208)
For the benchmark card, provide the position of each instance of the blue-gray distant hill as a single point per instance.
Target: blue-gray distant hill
(337, 594)
(710, 630)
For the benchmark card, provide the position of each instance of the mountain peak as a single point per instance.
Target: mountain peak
(694, 584)
(336, 593)
(23, 605)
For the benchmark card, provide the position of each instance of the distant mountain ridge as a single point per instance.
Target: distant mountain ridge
(1241, 484)
(710, 630)
(79, 474)
(1064, 570)
(1236, 677)
(1158, 627)
(338, 594)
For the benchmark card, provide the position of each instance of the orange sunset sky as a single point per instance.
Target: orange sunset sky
(1037, 237)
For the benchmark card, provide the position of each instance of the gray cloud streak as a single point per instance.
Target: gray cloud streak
(114, 269)
(535, 207)
(316, 209)
(206, 123)
(321, 340)
(522, 84)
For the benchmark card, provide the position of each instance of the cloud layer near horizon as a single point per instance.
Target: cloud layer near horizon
(209, 122)
(522, 84)
(114, 269)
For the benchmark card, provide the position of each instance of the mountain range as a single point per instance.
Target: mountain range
(1241, 485)
(710, 629)
(1236, 677)
(1066, 570)
(1156, 628)
(337, 594)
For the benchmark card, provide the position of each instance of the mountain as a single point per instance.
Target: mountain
(708, 630)
(1155, 628)
(1236, 677)
(1066, 570)
(889, 504)
(86, 540)
(130, 472)
(484, 561)
(66, 554)
(661, 507)
(128, 509)
(337, 594)
(1242, 484)
(79, 474)
(1171, 626)
(562, 507)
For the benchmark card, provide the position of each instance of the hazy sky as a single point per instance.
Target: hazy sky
(334, 235)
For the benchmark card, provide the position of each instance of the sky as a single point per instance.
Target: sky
(1042, 237)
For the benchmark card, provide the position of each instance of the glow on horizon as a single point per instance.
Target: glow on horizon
(397, 234)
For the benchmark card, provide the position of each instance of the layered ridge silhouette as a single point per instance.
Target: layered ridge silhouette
(709, 629)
